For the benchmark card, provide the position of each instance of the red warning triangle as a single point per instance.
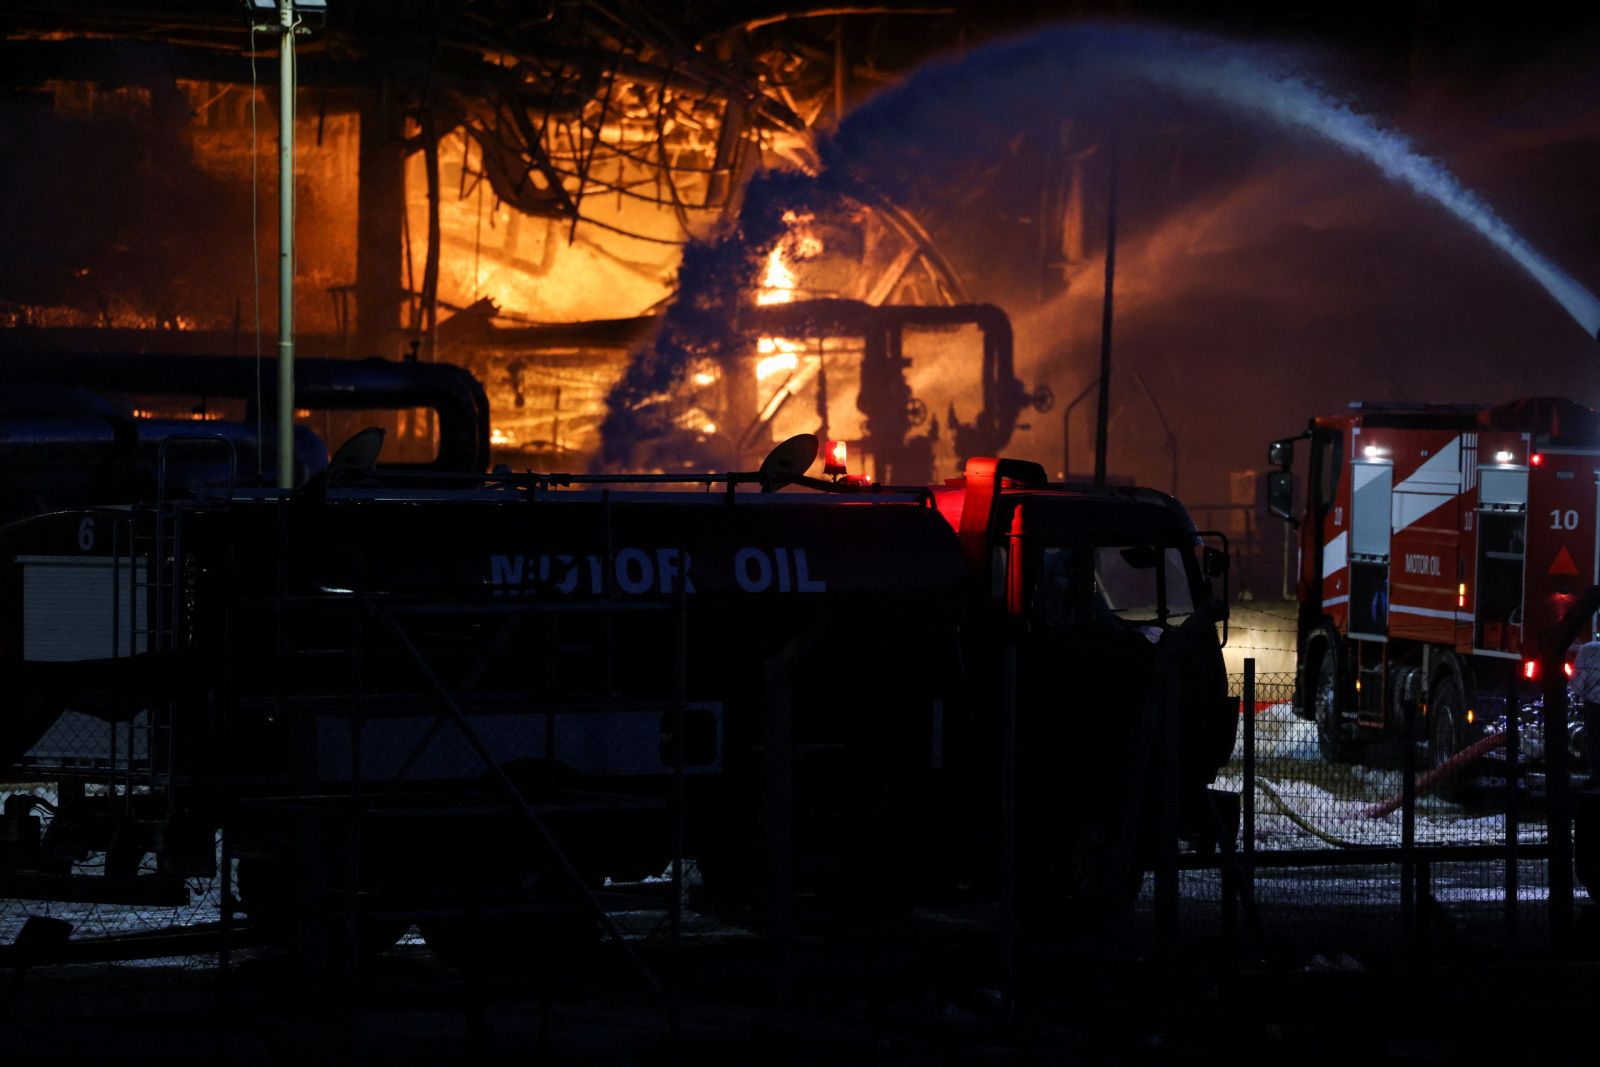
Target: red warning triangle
(1564, 564)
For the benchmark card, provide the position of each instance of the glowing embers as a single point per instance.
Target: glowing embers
(502, 438)
(180, 415)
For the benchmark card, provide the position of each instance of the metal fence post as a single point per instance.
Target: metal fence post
(1558, 780)
(680, 640)
(1166, 873)
(1008, 826)
(1513, 815)
(1245, 858)
(1249, 753)
(1408, 824)
(1558, 798)
(780, 816)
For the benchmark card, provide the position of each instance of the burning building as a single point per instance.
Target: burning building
(508, 195)
(561, 202)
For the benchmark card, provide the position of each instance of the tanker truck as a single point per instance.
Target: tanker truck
(422, 688)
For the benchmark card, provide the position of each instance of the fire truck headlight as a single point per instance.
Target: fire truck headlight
(1502, 456)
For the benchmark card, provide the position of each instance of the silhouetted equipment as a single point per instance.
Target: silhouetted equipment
(788, 461)
(356, 458)
(72, 432)
(516, 671)
(886, 399)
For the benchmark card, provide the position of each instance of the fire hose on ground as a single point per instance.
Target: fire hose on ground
(1481, 747)
(1433, 777)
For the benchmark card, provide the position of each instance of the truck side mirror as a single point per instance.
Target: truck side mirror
(1280, 496)
(1280, 454)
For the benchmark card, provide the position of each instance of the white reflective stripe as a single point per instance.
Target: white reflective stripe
(1335, 601)
(1409, 507)
(1429, 613)
(1496, 655)
(1365, 471)
(1333, 554)
(1440, 472)
(1429, 487)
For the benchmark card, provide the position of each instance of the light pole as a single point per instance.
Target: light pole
(1066, 429)
(286, 86)
(1105, 321)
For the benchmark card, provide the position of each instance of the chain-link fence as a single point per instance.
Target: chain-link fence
(1392, 844)
(435, 824)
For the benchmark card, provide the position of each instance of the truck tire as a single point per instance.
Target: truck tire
(1447, 730)
(1324, 683)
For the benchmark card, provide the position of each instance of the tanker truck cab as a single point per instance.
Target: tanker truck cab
(1110, 597)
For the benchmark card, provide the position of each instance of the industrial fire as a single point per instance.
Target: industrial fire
(765, 504)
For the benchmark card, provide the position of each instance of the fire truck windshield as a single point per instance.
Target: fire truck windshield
(1142, 584)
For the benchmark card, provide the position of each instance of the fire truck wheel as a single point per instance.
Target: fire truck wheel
(1447, 731)
(1325, 687)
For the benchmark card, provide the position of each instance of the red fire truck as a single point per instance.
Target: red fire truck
(1439, 544)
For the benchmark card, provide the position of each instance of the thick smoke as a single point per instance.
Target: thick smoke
(641, 428)
(1283, 277)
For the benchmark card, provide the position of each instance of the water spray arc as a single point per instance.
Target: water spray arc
(1013, 79)
(1007, 85)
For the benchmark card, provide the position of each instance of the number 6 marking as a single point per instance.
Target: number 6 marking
(86, 533)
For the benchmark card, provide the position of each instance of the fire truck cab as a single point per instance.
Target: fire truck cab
(1439, 544)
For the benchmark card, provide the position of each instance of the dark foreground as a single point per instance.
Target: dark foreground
(1333, 984)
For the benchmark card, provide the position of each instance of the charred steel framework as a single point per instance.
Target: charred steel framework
(619, 98)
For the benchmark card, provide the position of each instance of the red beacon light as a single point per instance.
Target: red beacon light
(1536, 460)
(834, 456)
(1530, 669)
